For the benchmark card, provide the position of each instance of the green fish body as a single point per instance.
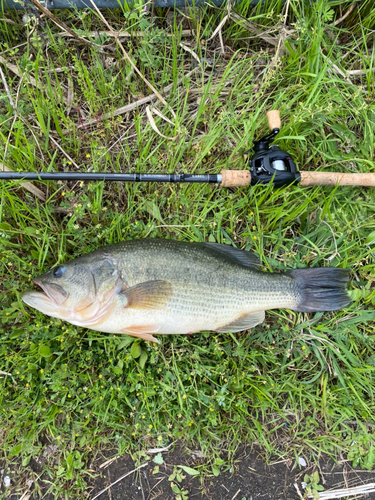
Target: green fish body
(150, 286)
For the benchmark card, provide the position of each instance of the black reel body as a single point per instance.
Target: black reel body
(270, 163)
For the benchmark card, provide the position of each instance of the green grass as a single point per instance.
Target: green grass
(296, 383)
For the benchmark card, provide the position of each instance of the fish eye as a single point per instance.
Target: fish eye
(59, 271)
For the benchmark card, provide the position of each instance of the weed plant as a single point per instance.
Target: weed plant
(299, 383)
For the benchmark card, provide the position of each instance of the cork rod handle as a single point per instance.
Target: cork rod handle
(235, 178)
(274, 120)
(336, 178)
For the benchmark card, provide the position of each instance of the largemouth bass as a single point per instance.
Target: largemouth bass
(150, 286)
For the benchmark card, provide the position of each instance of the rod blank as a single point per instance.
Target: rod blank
(102, 176)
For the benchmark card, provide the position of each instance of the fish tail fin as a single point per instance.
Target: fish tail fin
(321, 289)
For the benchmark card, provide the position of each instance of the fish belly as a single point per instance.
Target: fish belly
(190, 312)
(157, 321)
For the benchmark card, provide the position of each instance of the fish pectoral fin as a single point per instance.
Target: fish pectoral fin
(243, 323)
(243, 257)
(148, 295)
(142, 332)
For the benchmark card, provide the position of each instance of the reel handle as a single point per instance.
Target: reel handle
(274, 120)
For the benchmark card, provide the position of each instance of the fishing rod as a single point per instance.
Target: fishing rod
(267, 164)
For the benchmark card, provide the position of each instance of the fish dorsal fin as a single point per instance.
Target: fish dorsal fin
(148, 295)
(243, 323)
(142, 332)
(243, 257)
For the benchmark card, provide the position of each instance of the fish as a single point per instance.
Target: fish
(159, 286)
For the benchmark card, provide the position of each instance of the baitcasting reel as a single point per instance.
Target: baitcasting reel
(269, 162)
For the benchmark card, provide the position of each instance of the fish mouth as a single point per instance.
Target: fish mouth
(55, 293)
(41, 302)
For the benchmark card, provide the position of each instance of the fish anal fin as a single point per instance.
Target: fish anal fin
(148, 295)
(243, 257)
(244, 322)
(142, 332)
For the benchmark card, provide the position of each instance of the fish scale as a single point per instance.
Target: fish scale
(151, 286)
